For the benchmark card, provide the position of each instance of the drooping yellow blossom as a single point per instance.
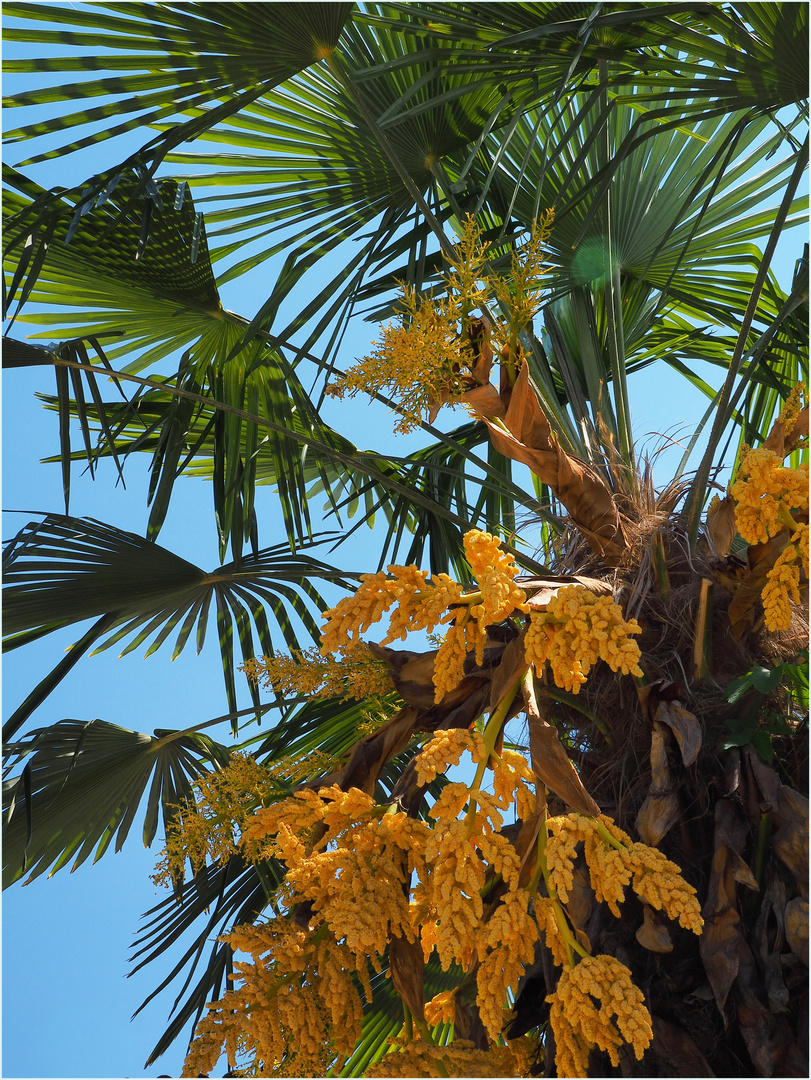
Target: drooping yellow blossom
(565, 833)
(452, 893)
(357, 886)
(461, 1058)
(225, 799)
(498, 599)
(614, 862)
(494, 570)
(791, 410)
(330, 808)
(463, 636)
(766, 493)
(512, 777)
(355, 674)
(420, 605)
(658, 882)
(310, 1012)
(783, 581)
(576, 630)
(444, 749)
(579, 1024)
(549, 926)
(505, 945)
(441, 1009)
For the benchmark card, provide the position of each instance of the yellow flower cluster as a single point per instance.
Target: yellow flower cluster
(520, 292)
(614, 862)
(348, 861)
(427, 357)
(767, 497)
(494, 570)
(421, 605)
(579, 1024)
(658, 881)
(441, 1009)
(548, 925)
(498, 598)
(576, 630)
(445, 748)
(766, 493)
(783, 581)
(355, 674)
(505, 945)
(330, 811)
(461, 1058)
(310, 1010)
(225, 799)
(450, 896)
(357, 887)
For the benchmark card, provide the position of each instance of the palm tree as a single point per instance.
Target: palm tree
(668, 143)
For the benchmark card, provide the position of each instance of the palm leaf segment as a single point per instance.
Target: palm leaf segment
(82, 784)
(179, 57)
(66, 570)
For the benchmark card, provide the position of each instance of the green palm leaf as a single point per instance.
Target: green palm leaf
(66, 570)
(82, 784)
(229, 895)
(178, 58)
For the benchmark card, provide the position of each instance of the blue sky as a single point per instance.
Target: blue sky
(67, 1000)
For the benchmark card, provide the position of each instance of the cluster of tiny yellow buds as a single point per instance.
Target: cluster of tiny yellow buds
(332, 808)
(521, 292)
(505, 946)
(357, 887)
(462, 637)
(565, 833)
(578, 1024)
(509, 770)
(441, 1009)
(658, 882)
(444, 749)
(417, 361)
(354, 675)
(791, 410)
(501, 855)
(353, 615)
(452, 800)
(783, 581)
(209, 830)
(460, 1058)
(310, 1014)
(494, 570)
(765, 494)
(549, 926)
(453, 894)
(420, 605)
(609, 871)
(576, 630)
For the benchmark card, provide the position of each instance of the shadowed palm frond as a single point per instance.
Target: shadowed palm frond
(81, 786)
(66, 570)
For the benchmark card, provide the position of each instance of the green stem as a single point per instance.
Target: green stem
(604, 834)
(491, 733)
(786, 519)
